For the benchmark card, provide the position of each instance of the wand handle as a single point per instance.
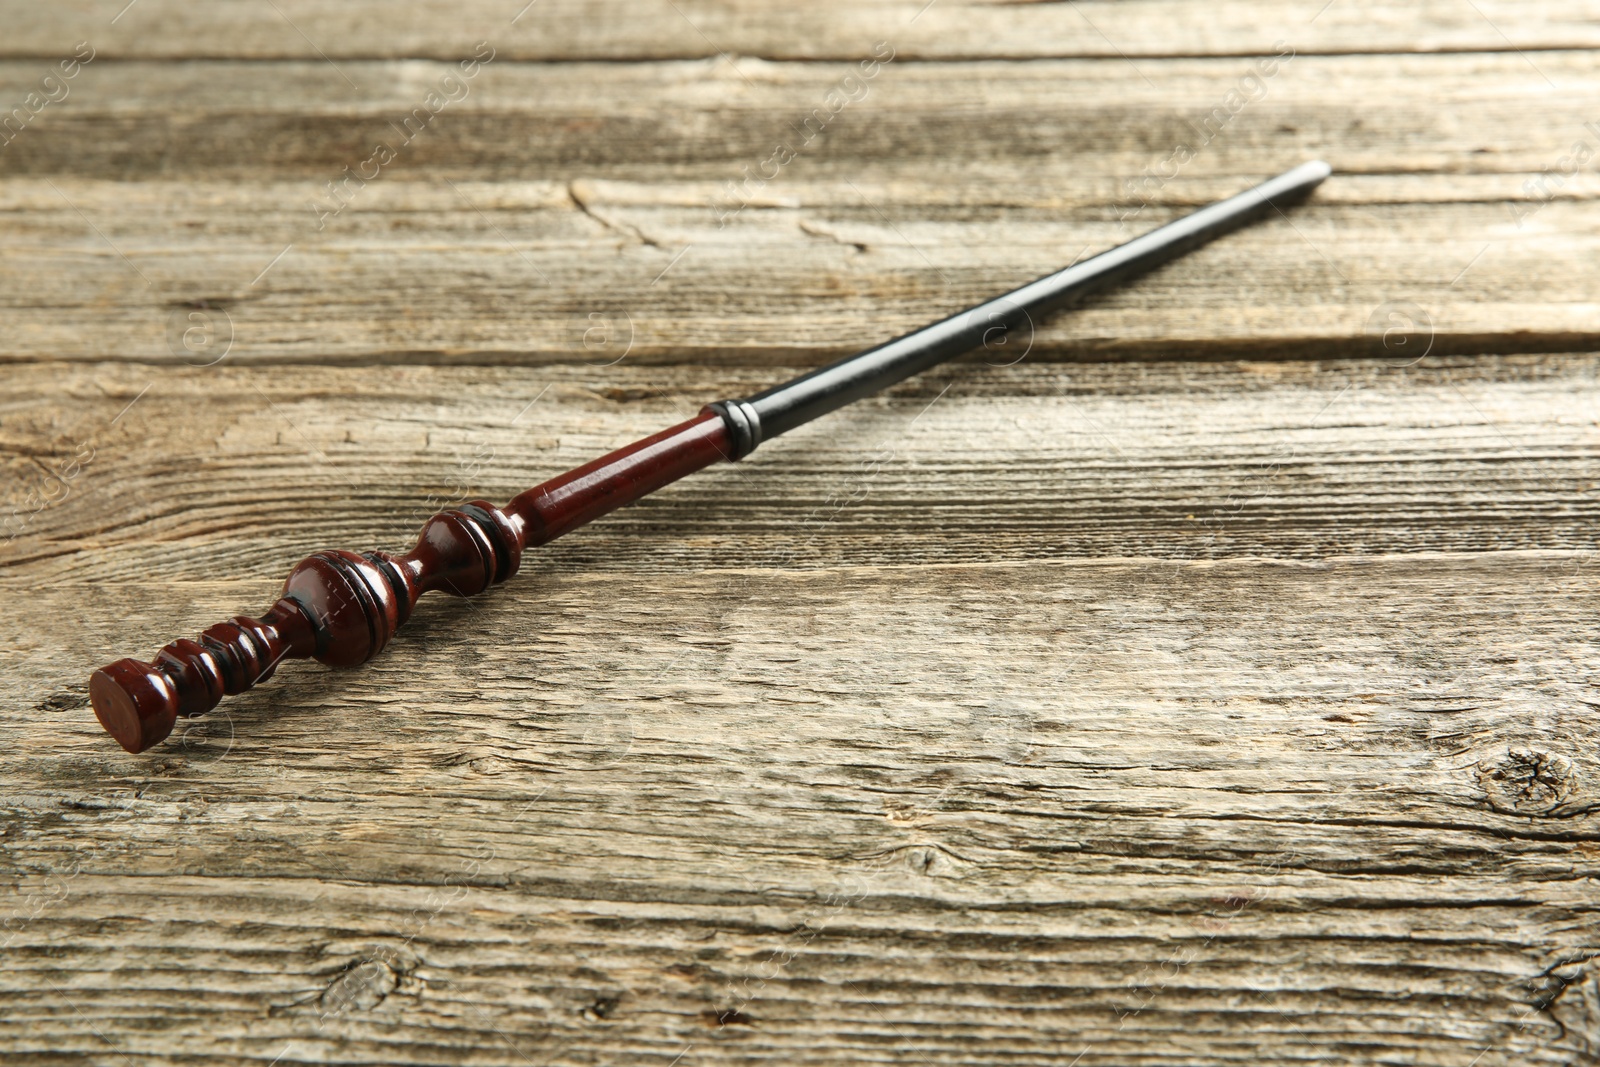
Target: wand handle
(342, 608)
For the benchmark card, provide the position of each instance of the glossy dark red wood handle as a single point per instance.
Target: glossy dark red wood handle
(342, 608)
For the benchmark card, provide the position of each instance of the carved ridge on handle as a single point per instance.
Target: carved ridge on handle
(138, 703)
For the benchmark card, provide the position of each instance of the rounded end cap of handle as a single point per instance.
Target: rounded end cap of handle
(136, 703)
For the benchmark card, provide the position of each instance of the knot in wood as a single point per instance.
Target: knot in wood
(361, 988)
(1526, 781)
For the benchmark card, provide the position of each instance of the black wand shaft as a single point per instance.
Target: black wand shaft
(783, 407)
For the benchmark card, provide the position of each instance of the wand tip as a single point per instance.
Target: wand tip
(1309, 175)
(1317, 167)
(1289, 186)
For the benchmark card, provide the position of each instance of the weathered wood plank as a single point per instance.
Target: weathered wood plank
(1043, 123)
(470, 985)
(1058, 712)
(1147, 808)
(1141, 807)
(422, 276)
(444, 258)
(620, 30)
(243, 471)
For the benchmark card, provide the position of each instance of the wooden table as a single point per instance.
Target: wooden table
(1214, 685)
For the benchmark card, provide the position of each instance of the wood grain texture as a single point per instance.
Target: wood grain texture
(229, 471)
(1215, 685)
(1156, 807)
(556, 197)
(1159, 811)
(617, 30)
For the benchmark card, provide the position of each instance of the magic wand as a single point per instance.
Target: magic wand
(342, 608)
